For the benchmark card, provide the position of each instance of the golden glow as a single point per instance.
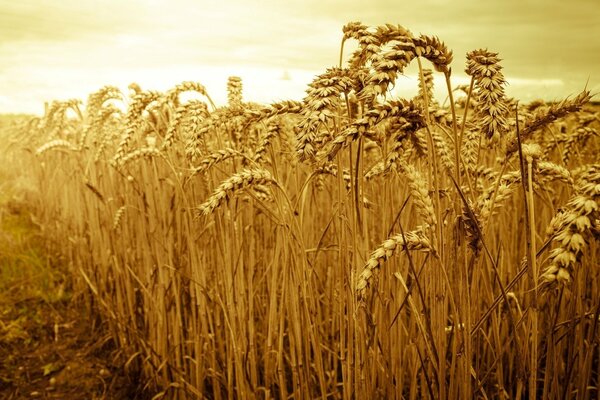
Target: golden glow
(57, 50)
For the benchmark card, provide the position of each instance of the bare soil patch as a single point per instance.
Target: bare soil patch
(50, 345)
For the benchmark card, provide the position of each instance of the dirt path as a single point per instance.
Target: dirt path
(50, 348)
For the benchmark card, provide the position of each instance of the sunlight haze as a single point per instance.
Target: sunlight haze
(68, 49)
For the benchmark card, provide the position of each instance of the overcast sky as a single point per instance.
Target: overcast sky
(64, 49)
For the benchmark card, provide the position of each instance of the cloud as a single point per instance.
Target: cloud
(536, 82)
(46, 47)
(36, 20)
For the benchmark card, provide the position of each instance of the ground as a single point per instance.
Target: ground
(50, 345)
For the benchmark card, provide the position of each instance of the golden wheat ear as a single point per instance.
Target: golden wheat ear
(237, 182)
(414, 240)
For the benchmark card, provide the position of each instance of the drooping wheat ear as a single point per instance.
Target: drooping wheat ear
(172, 96)
(96, 125)
(442, 150)
(470, 149)
(387, 65)
(118, 217)
(401, 49)
(134, 89)
(419, 193)
(406, 110)
(221, 124)
(531, 153)
(55, 144)
(324, 91)
(319, 175)
(443, 117)
(105, 135)
(360, 127)
(195, 112)
(273, 130)
(419, 142)
(55, 120)
(174, 124)
(270, 115)
(240, 181)
(252, 116)
(376, 170)
(329, 168)
(133, 120)
(214, 158)
(144, 152)
(434, 50)
(27, 130)
(577, 138)
(323, 96)
(48, 118)
(157, 115)
(234, 91)
(404, 134)
(354, 30)
(546, 115)
(390, 32)
(367, 40)
(371, 40)
(98, 111)
(97, 99)
(210, 131)
(425, 88)
(486, 205)
(473, 226)
(492, 112)
(482, 172)
(572, 228)
(184, 115)
(548, 171)
(286, 137)
(262, 192)
(414, 240)
(552, 142)
(588, 117)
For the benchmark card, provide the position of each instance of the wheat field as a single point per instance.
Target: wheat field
(352, 245)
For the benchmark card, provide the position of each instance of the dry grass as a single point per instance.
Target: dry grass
(269, 291)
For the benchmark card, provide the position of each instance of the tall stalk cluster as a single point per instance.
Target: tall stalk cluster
(355, 244)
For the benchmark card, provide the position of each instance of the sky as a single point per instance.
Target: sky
(57, 50)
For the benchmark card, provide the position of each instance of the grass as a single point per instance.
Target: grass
(50, 345)
(352, 245)
(24, 258)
